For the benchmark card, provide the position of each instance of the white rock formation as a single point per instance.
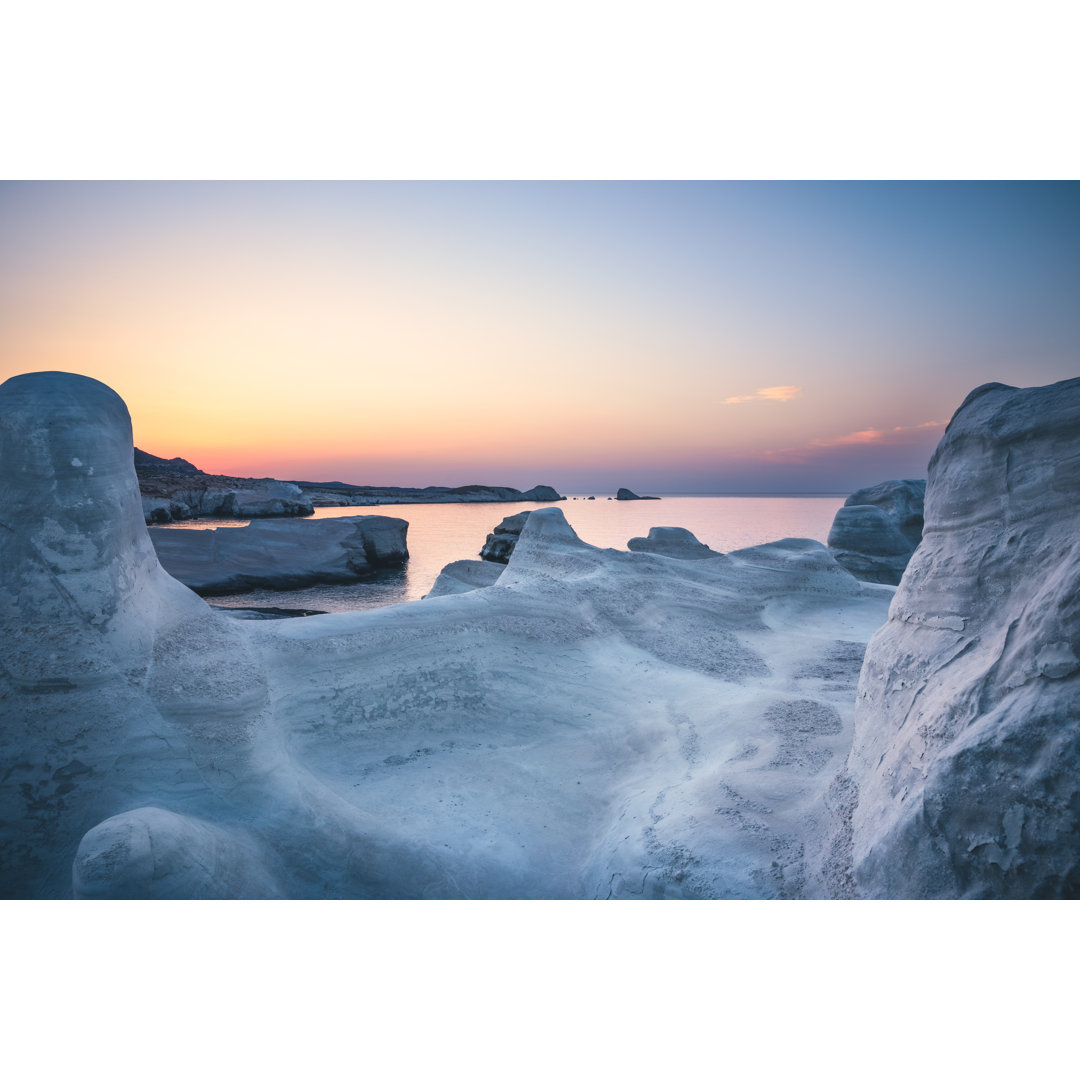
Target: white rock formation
(284, 554)
(597, 723)
(967, 743)
(464, 576)
(876, 530)
(119, 684)
(253, 498)
(673, 542)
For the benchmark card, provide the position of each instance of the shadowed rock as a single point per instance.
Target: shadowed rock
(501, 540)
(281, 554)
(876, 530)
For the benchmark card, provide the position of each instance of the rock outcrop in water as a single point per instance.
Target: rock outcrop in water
(967, 740)
(878, 528)
(281, 554)
(626, 495)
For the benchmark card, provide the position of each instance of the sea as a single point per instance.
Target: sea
(441, 533)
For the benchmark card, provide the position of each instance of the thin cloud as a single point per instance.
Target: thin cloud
(896, 436)
(887, 436)
(768, 393)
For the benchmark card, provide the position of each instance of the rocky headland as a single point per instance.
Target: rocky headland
(338, 494)
(174, 490)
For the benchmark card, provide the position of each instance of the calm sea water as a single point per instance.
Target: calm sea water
(440, 533)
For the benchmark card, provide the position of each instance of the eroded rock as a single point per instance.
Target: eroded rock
(876, 530)
(967, 740)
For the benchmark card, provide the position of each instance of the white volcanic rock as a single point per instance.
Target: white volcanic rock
(876, 530)
(597, 723)
(500, 542)
(673, 542)
(967, 743)
(154, 854)
(283, 554)
(252, 498)
(117, 682)
(465, 575)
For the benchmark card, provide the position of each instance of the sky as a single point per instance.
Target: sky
(667, 337)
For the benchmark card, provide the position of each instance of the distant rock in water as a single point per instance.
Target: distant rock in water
(500, 542)
(878, 528)
(673, 542)
(966, 755)
(174, 490)
(281, 554)
(625, 495)
(542, 493)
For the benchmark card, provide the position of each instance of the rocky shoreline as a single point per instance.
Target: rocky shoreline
(661, 722)
(174, 489)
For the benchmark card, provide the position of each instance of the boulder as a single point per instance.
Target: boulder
(626, 495)
(966, 753)
(281, 554)
(876, 530)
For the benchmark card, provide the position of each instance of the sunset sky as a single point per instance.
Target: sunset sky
(669, 337)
